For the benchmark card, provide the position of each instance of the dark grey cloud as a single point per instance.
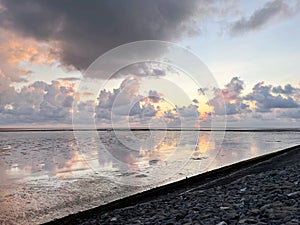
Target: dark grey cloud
(277, 9)
(84, 30)
(234, 88)
(154, 96)
(146, 69)
(287, 89)
(201, 91)
(195, 101)
(265, 101)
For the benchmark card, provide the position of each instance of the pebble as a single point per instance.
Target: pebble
(113, 219)
(224, 208)
(271, 197)
(293, 194)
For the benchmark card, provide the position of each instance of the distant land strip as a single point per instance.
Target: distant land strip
(148, 129)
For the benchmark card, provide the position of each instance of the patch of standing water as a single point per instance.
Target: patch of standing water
(45, 175)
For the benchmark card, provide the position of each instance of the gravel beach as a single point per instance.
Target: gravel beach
(266, 191)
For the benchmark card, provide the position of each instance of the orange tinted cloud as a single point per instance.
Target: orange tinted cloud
(16, 51)
(29, 51)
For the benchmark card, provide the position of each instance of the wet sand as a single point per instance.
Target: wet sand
(263, 190)
(45, 175)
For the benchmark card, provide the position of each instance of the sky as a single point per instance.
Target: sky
(56, 60)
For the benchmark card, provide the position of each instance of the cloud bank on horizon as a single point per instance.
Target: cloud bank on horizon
(43, 103)
(72, 34)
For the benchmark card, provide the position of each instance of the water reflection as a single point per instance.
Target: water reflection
(128, 157)
(49, 170)
(34, 154)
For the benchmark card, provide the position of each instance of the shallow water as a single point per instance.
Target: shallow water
(44, 175)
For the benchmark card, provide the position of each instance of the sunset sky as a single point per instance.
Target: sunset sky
(251, 48)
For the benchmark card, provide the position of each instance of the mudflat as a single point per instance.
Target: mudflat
(263, 190)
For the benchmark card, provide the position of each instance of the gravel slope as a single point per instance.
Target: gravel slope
(266, 198)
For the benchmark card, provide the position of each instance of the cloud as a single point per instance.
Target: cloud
(52, 103)
(83, 31)
(184, 116)
(287, 89)
(229, 100)
(169, 114)
(123, 101)
(154, 96)
(265, 101)
(126, 104)
(148, 110)
(190, 111)
(195, 101)
(291, 113)
(121, 98)
(7, 93)
(15, 53)
(265, 105)
(39, 102)
(233, 89)
(272, 10)
(201, 91)
(69, 79)
(146, 69)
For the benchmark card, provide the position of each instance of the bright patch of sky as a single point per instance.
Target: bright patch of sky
(270, 54)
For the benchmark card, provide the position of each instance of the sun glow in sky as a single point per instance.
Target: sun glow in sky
(251, 48)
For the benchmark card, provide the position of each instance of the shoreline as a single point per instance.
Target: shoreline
(205, 181)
